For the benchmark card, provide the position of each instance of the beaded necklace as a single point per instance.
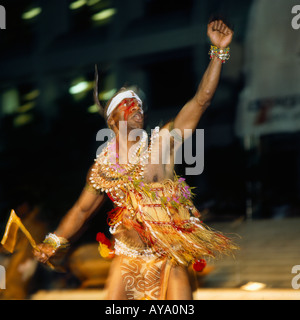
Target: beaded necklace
(116, 179)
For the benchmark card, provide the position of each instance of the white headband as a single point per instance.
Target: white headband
(118, 98)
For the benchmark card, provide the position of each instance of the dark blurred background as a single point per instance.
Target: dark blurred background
(48, 119)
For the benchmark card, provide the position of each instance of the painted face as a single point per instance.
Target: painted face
(131, 110)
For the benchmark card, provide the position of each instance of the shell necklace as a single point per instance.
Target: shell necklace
(108, 175)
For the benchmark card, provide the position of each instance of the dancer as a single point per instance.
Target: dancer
(157, 230)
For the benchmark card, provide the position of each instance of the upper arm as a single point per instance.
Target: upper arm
(189, 116)
(90, 199)
(176, 131)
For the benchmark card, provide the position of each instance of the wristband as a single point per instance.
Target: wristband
(222, 54)
(56, 242)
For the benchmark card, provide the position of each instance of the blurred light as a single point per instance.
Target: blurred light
(106, 95)
(10, 101)
(79, 87)
(253, 286)
(92, 2)
(77, 4)
(26, 107)
(22, 119)
(31, 95)
(104, 14)
(93, 109)
(31, 13)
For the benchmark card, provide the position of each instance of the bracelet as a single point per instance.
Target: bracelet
(55, 241)
(222, 54)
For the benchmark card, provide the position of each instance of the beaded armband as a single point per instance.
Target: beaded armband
(222, 54)
(56, 242)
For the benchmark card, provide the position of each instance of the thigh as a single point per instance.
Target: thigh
(115, 286)
(179, 287)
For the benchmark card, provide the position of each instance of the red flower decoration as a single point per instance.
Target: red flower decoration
(199, 265)
(102, 238)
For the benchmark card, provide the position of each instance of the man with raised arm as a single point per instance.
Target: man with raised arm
(156, 228)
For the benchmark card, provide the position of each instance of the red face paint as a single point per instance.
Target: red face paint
(127, 106)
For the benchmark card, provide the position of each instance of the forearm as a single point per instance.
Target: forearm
(76, 217)
(220, 36)
(190, 114)
(209, 83)
(69, 226)
(72, 222)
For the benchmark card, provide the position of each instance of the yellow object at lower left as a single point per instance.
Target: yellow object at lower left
(10, 235)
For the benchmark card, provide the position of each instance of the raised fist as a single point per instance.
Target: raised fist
(219, 34)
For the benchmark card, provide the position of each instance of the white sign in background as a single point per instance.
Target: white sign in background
(270, 101)
(2, 18)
